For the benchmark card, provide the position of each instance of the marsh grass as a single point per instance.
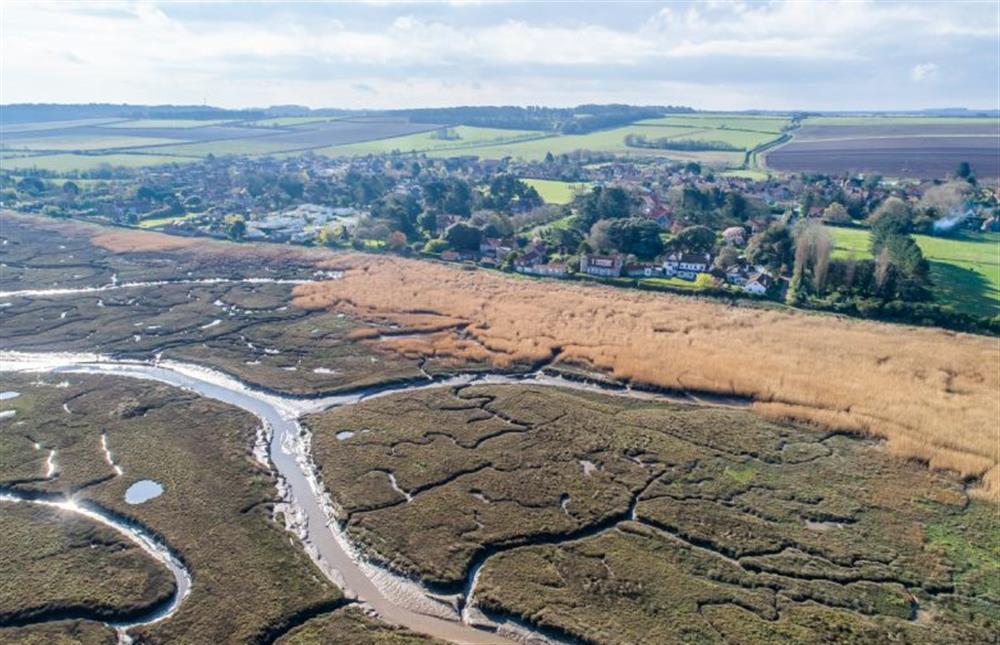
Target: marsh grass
(930, 393)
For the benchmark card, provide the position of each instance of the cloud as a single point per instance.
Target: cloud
(923, 72)
(781, 54)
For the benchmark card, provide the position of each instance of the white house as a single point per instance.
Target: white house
(601, 265)
(757, 284)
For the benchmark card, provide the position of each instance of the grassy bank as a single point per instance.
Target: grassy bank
(965, 269)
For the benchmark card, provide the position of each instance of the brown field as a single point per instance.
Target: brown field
(930, 393)
(899, 151)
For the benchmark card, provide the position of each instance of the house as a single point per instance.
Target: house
(643, 270)
(735, 275)
(531, 257)
(495, 247)
(605, 266)
(757, 284)
(552, 269)
(457, 256)
(686, 265)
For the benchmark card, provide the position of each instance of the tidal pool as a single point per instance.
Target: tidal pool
(143, 491)
(344, 434)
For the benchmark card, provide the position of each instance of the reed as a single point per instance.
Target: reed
(931, 394)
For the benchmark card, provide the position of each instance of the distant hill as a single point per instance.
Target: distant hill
(576, 120)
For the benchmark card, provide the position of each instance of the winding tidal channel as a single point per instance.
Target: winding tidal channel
(284, 445)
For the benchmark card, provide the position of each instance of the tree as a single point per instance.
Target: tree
(835, 213)
(427, 222)
(727, 257)
(813, 245)
(565, 238)
(397, 241)
(693, 167)
(492, 224)
(638, 236)
(603, 203)
(401, 210)
(31, 185)
(436, 245)
(772, 248)
(696, 239)
(236, 227)
(292, 185)
(735, 207)
(462, 236)
(964, 171)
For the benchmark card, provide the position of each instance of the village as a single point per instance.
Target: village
(648, 223)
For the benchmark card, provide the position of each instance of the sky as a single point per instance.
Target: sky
(776, 55)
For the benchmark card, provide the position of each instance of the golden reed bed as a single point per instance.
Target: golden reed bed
(933, 395)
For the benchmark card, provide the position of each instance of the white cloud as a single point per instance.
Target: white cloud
(709, 54)
(923, 72)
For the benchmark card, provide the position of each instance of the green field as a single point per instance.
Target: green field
(37, 126)
(556, 192)
(67, 162)
(492, 143)
(723, 121)
(965, 270)
(755, 175)
(163, 221)
(167, 123)
(703, 281)
(86, 142)
(739, 138)
(606, 141)
(470, 138)
(744, 132)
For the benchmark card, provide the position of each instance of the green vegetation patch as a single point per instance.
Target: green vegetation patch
(557, 192)
(965, 270)
(55, 561)
(610, 519)
(63, 632)
(155, 222)
(350, 625)
(460, 140)
(766, 124)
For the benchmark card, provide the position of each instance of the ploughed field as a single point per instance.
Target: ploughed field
(217, 510)
(922, 148)
(614, 520)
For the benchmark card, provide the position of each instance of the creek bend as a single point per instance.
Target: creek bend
(285, 445)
